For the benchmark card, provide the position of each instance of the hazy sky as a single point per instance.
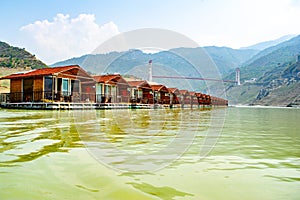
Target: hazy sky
(54, 30)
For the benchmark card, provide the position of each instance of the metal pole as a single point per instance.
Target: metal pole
(150, 71)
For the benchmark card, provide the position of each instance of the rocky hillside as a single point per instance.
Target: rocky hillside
(14, 57)
(282, 88)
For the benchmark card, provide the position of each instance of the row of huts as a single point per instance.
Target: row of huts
(74, 84)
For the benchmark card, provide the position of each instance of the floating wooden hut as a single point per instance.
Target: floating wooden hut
(112, 88)
(203, 99)
(161, 94)
(193, 98)
(174, 94)
(184, 97)
(216, 101)
(64, 84)
(141, 92)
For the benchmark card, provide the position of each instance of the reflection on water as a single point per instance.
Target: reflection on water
(25, 136)
(98, 154)
(167, 193)
(141, 140)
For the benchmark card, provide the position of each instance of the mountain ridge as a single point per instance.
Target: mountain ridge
(225, 58)
(266, 44)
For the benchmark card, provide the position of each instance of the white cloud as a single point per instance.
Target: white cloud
(66, 37)
(237, 23)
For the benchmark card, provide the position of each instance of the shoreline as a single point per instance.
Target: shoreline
(262, 106)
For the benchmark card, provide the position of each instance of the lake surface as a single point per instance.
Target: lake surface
(208, 154)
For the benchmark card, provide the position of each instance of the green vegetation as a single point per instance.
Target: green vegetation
(14, 57)
(227, 59)
(243, 94)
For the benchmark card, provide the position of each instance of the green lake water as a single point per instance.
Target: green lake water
(207, 154)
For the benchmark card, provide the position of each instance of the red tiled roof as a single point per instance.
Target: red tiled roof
(42, 72)
(198, 94)
(142, 84)
(106, 78)
(183, 92)
(135, 83)
(159, 88)
(173, 90)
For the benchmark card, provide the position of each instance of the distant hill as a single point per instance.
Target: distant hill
(264, 45)
(14, 57)
(225, 58)
(293, 42)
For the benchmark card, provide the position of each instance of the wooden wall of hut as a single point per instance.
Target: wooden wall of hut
(38, 88)
(16, 90)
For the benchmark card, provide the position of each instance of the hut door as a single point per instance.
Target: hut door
(28, 90)
(75, 90)
(58, 95)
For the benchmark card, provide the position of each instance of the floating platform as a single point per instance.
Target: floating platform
(73, 106)
(80, 106)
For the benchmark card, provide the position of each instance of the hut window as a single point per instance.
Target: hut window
(134, 93)
(140, 93)
(48, 84)
(113, 90)
(107, 89)
(75, 86)
(99, 88)
(65, 87)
